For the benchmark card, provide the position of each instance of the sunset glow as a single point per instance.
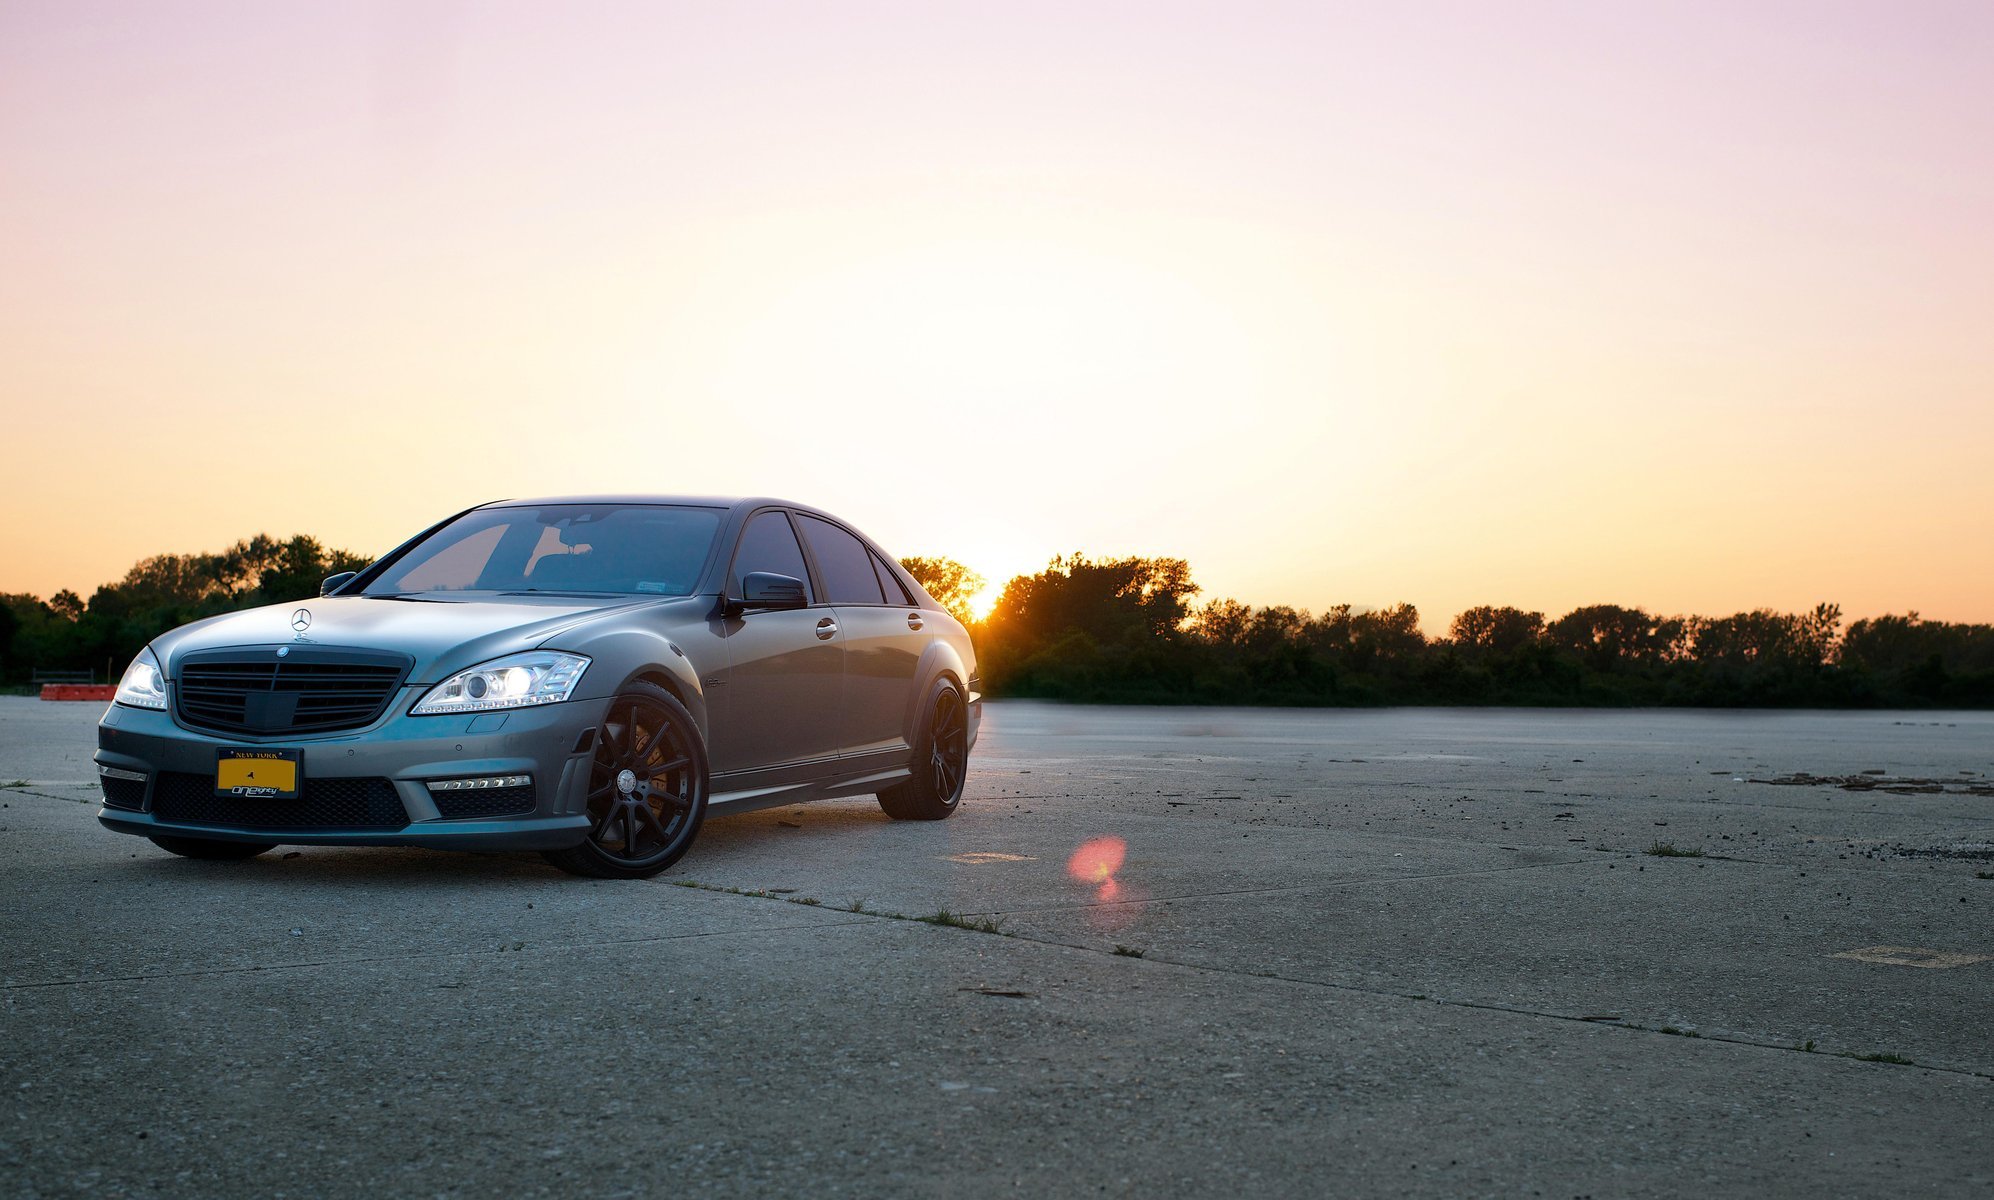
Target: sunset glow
(1449, 304)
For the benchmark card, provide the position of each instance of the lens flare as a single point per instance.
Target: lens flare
(1096, 861)
(1116, 904)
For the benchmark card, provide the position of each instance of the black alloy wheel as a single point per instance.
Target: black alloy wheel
(647, 789)
(941, 761)
(948, 745)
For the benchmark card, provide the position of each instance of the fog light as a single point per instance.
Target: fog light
(486, 781)
(120, 773)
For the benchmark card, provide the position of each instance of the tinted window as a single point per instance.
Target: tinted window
(896, 592)
(844, 562)
(652, 549)
(769, 544)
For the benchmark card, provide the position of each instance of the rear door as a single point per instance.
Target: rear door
(779, 702)
(882, 643)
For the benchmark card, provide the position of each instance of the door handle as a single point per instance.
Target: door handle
(913, 620)
(826, 629)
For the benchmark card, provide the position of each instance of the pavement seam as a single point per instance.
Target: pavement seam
(1328, 985)
(1327, 789)
(1486, 1006)
(34, 985)
(1304, 887)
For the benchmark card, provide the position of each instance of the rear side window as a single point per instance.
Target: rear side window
(844, 562)
(896, 592)
(769, 544)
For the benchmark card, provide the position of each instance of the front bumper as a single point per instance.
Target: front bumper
(550, 743)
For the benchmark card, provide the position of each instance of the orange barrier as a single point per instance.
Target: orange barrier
(78, 691)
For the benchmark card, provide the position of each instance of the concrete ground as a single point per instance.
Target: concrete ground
(1416, 952)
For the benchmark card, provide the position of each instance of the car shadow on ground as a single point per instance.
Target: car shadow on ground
(741, 830)
(401, 866)
(419, 868)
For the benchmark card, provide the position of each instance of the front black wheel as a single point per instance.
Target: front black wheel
(647, 789)
(209, 849)
(941, 761)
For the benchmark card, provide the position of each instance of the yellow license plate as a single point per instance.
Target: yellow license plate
(258, 774)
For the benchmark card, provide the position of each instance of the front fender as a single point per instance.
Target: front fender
(624, 656)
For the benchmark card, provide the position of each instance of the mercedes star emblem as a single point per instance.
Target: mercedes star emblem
(301, 620)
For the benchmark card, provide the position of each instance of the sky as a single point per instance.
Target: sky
(1687, 306)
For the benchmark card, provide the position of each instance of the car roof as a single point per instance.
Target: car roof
(728, 502)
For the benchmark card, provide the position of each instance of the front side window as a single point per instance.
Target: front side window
(844, 562)
(588, 549)
(768, 544)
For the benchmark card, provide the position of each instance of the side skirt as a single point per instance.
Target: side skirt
(742, 800)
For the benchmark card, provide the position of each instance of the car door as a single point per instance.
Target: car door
(778, 702)
(882, 642)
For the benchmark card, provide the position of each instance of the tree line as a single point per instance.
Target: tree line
(1127, 630)
(102, 634)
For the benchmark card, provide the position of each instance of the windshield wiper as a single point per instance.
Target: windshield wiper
(555, 592)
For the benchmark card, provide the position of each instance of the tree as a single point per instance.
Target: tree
(952, 585)
(1370, 641)
(1084, 622)
(1110, 599)
(1221, 623)
(1765, 637)
(1486, 630)
(1607, 637)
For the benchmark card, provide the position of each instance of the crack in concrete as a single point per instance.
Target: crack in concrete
(1301, 887)
(92, 798)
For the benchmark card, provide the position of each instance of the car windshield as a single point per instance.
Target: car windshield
(643, 549)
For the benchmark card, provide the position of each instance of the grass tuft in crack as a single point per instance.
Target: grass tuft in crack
(1122, 951)
(958, 921)
(1895, 1059)
(1671, 850)
(1674, 1032)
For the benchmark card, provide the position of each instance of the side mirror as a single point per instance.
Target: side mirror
(334, 582)
(766, 589)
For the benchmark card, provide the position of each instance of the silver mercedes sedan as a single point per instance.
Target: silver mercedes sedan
(585, 676)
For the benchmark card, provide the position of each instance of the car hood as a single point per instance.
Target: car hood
(442, 636)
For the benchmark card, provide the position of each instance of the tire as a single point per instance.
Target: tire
(213, 851)
(941, 761)
(639, 830)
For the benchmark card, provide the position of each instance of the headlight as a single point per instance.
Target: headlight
(521, 681)
(144, 684)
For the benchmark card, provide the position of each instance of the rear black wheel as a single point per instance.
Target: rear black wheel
(647, 789)
(941, 761)
(209, 849)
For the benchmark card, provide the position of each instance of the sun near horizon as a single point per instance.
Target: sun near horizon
(1449, 304)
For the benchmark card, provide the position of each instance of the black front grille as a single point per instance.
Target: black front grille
(485, 802)
(321, 803)
(123, 793)
(308, 690)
